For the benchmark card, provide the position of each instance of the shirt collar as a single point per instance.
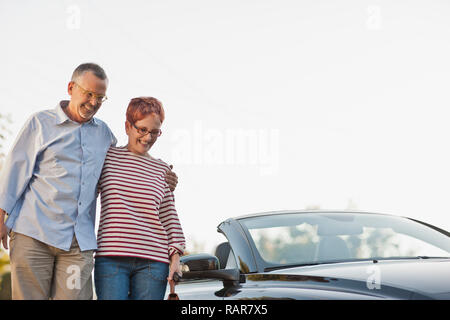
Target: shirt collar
(62, 117)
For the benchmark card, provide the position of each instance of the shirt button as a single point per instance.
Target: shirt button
(79, 203)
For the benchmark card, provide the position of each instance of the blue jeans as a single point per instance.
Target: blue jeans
(129, 278)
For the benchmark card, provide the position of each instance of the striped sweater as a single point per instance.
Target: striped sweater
(138, 216)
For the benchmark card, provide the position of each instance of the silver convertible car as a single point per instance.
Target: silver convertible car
(321, 255)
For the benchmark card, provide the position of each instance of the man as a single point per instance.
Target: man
(48, 193)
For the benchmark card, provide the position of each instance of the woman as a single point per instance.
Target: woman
(140, 239)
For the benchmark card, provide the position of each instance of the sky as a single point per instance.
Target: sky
(270, 105)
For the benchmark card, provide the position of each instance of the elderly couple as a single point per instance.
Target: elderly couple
(60, 161)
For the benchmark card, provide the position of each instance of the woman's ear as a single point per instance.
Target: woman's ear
(127, 127)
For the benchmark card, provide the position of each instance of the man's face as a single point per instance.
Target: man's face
(87, 92)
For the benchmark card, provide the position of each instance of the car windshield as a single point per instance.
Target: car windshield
(310, 238)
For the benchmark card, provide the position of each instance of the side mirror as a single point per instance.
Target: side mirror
(205, 266)
(199, 262)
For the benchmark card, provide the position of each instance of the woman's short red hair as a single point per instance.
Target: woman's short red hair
(140, 107)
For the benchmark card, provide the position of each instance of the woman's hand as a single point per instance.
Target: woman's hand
(174, 267)
(171, 179)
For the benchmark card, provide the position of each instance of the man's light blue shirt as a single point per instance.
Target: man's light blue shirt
(48, 181)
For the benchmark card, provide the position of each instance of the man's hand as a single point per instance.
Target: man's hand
(171, 179)
(3, 229)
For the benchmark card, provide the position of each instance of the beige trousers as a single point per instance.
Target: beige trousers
(41, 272)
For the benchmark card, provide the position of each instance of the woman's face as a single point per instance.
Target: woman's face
(143, 133)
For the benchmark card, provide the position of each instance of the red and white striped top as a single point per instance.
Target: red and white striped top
(138, 216)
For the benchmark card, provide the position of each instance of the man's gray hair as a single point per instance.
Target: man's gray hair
(92, 67)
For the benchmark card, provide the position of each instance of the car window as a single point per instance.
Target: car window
(313, 238)
(231, 261)
(286, 244)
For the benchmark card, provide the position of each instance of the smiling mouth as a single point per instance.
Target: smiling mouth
(86, 111)
(145, 144)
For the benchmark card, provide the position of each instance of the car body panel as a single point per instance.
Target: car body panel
(397, 273)
(349, 281)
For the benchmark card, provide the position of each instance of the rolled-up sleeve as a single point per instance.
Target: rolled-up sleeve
(18, 167)
(171, 223)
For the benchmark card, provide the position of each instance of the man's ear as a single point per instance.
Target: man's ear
(70, 87)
